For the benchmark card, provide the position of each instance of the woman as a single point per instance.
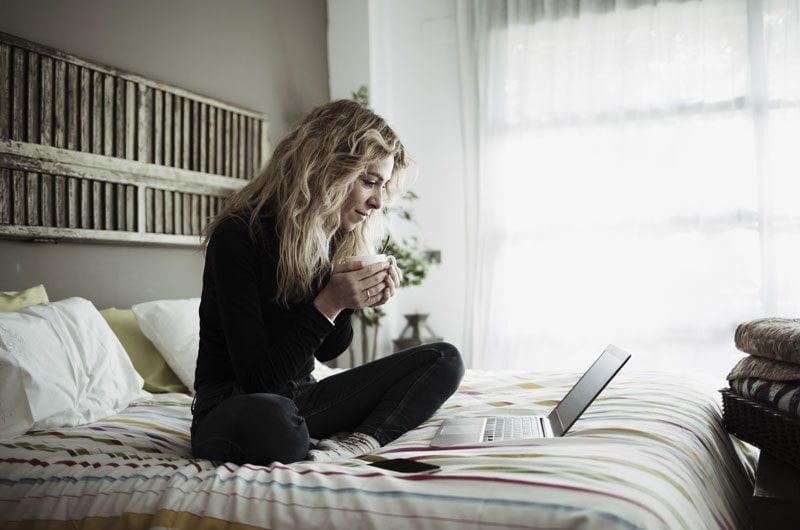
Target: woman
(277, 292)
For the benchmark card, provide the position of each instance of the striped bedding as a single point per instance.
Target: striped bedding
(650, 453)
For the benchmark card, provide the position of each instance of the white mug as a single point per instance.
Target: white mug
(369, 259)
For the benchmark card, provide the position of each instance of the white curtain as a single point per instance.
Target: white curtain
(634, 178)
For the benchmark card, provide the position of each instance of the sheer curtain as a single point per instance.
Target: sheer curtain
(634, 178)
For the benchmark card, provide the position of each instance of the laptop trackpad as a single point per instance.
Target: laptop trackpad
(462, 426)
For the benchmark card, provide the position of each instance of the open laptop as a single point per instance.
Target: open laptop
(519, 430)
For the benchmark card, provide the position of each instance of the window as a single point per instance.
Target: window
(640, 184)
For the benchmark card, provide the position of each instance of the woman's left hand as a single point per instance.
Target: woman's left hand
(392, 283)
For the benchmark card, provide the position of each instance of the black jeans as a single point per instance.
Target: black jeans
(384, 399)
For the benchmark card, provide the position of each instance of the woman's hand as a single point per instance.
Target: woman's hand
(392, 283)
(354, 285)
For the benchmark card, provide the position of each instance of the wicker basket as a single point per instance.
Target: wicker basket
(766, 427)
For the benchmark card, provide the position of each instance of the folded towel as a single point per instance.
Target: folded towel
(784, 396)
(762, 368)
(775, 338)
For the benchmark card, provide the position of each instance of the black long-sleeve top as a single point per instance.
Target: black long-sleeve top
(246, 337)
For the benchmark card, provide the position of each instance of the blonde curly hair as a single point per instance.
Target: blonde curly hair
(304, 186)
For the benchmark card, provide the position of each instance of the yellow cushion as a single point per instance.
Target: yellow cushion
(16, 300)
(157, 375)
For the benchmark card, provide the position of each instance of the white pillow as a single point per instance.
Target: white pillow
(174, 327)
(61, 366)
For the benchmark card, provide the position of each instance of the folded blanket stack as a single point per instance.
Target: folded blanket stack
(771, 373)
(763, 403)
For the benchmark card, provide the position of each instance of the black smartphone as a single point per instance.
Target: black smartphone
(404, 465)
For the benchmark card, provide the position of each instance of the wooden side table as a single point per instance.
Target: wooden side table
(412, 335)
(776, 496)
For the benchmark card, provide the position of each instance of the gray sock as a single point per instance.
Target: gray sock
(342, 446)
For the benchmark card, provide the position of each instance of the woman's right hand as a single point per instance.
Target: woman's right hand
(352, 285)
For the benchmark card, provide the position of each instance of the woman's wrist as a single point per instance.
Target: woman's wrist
(326, 306)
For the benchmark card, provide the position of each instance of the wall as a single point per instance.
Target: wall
(267, 55)
(416, 78)
(348, 46)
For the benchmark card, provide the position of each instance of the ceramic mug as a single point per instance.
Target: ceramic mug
(369, 259)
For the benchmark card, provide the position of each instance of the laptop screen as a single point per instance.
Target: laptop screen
(587, 389)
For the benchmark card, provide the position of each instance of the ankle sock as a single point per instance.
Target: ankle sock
(342, 446)
(328, 443)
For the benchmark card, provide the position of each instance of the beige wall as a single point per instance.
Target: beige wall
(267, 55)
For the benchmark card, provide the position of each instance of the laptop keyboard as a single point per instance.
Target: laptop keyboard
(511, 428)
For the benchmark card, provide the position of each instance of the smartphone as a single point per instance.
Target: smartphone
(404, 465)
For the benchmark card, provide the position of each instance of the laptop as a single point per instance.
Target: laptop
(521, 430)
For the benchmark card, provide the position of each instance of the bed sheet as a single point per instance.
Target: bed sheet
(650, 453)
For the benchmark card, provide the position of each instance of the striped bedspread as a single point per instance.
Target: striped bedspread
(650, 453)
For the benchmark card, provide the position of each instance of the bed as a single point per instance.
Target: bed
(650, 453)
(112, 157)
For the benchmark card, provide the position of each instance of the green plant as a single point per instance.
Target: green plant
(361, 95)
(413, 259)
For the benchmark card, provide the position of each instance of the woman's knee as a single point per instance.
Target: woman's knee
(284, 432)
(451, 359)
(259, 429)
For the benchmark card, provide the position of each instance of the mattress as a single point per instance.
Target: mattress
(650, 453)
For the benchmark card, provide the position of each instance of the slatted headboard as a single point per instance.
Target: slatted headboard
(88, 152)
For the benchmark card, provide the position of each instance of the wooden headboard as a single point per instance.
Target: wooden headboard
(91, 153)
